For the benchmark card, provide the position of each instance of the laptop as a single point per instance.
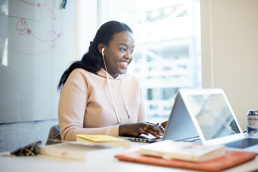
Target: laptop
(178, 122)
(206, 114)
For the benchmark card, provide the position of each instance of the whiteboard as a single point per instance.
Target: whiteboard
(37, 43)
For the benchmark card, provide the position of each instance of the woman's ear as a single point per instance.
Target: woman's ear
(101, 48)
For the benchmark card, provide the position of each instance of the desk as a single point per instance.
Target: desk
(42, 163)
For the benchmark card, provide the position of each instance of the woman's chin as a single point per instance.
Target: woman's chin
(123, 71)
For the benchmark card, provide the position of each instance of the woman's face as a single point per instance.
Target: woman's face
(118, 54)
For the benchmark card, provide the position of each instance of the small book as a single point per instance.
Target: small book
(188, 151)
(103, 140)
(79, 151)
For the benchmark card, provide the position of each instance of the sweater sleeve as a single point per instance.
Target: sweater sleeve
(72, 107)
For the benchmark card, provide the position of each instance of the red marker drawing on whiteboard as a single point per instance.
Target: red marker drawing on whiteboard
(51, 38)
(48, 9)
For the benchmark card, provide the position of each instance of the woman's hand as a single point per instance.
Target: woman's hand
(136, 129)
(162, 126)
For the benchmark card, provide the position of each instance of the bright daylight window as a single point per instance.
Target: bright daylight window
(168, 50)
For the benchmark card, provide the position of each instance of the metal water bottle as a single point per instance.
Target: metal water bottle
(252, 122)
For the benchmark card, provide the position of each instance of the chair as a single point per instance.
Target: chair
(54, 135)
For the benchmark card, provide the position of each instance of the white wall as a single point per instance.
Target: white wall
(88, 24)
(92, 14)
(229, 31)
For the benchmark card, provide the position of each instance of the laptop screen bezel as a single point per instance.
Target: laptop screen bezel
(215, 141)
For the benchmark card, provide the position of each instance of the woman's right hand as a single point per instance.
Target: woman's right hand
(136, 129)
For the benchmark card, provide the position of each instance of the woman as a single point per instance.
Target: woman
(98, 96)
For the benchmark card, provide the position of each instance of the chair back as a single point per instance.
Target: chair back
(54, 135)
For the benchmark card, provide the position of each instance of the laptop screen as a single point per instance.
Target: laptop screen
(212, 114)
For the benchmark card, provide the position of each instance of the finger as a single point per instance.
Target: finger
(142, 131)
(155, 129)
(149, 130)
(162, 128)
(155, 134)
(164, 124)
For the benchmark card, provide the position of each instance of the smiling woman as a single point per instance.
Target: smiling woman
(90, 86)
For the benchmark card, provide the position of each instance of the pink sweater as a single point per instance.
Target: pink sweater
(85, 105)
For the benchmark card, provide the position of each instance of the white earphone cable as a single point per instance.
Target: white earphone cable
(128, 113)
(117, 117)
(127, 109)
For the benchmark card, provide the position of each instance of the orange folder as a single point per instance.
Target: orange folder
(231, 159)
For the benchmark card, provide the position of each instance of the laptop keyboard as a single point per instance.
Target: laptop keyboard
(245, 143)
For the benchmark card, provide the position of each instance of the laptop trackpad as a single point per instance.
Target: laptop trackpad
(245, 143)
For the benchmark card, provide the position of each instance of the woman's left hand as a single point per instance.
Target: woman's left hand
(162, 125)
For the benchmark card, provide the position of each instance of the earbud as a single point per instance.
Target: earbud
(103, 51)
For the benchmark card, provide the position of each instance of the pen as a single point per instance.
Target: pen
(64, 5)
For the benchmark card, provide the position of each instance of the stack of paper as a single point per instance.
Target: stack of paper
(79, 151)
(189, 151)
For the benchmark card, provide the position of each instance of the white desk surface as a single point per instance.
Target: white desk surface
(42, 163)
